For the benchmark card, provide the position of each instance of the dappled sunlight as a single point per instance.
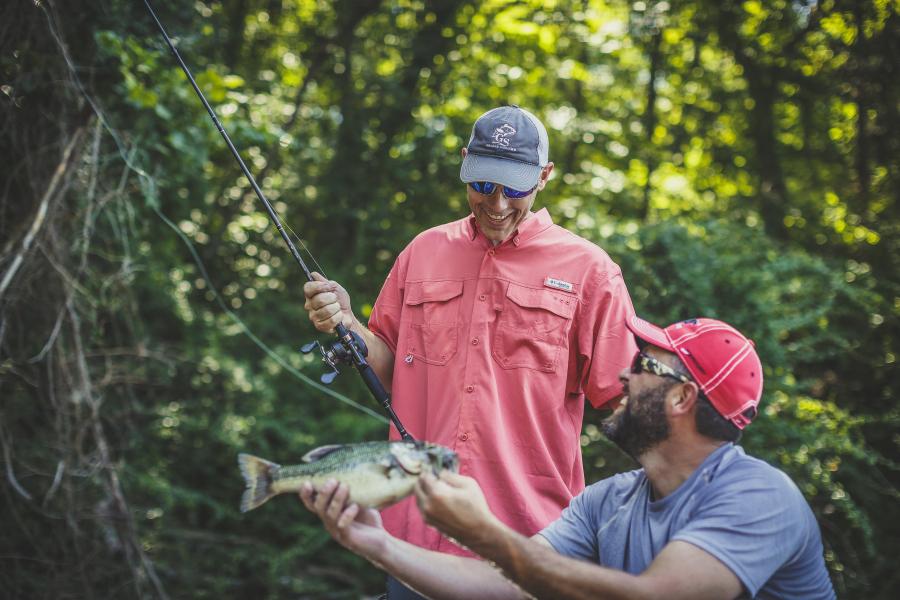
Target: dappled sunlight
(737, 160)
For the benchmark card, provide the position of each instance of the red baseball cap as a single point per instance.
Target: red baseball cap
(721, 360)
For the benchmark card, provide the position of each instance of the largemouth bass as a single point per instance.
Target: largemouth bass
(378, 473)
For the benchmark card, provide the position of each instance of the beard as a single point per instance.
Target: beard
(641, 425)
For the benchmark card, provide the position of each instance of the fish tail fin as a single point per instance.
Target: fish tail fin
(257, 474)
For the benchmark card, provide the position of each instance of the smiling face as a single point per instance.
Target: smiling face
(498, 216)
(640, 422)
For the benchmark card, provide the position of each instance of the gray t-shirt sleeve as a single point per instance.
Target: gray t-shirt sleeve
(753, 526)
(572, 534)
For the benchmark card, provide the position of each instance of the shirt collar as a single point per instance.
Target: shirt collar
(530, 227)
(706, 470)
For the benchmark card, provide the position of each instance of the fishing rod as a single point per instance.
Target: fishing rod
(349, 347)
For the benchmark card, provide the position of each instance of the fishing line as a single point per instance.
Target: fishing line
(350, 348)
(319, 268)
(148, 188)
(262, 345)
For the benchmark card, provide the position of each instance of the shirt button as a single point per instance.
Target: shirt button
(516, 240)
(463, 436)
(474, 341)
(491, 252)
(482, 297)
(470, 388)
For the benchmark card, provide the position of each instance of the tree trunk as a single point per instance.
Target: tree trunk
(650, 119)
(772, 197)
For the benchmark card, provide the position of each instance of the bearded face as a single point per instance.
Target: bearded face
(641, 424)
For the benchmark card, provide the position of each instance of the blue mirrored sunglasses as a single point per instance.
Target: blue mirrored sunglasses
(487, 188)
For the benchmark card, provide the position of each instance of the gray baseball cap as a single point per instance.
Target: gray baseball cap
(508, 146)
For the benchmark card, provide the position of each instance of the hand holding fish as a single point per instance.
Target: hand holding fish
(356, 528)
(327, 303)
(455, 505)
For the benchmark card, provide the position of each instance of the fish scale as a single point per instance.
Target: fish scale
(345, 457)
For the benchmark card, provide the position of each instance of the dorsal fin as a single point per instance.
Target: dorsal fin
(320, 452)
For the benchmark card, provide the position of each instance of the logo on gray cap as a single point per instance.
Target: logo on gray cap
(503, 133)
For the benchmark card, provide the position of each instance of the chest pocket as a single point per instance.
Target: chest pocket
(433, 309)
(532, 328)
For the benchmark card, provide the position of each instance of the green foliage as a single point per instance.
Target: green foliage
(727, 271)
(738, 160)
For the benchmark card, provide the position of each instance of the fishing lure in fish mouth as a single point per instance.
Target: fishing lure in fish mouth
(377, 473)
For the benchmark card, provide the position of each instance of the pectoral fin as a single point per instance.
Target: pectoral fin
(408, 461)
(396, 473)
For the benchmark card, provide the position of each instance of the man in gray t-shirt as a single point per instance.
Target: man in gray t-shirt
(747, 514)
(700, 519)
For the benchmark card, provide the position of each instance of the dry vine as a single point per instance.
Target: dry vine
(70, 361)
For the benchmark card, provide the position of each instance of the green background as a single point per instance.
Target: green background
(739, 160)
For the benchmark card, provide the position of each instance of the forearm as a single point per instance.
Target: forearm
(544, 573)
(444, 576)
(380, 357)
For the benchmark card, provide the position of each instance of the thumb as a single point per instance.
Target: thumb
(454, 479)
(426, 482)
(332, 285)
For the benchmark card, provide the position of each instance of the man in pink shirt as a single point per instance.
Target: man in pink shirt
(491, 331)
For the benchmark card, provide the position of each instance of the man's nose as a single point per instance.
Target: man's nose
(497, 201)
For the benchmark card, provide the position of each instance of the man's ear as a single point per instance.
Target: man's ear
(463, 152)
(545, 176)
(684, 399)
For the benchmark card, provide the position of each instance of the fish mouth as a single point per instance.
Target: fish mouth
(444, 459)
(447, 460)
(451, 462)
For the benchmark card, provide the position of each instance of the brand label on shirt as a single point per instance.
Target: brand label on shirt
(559, 284)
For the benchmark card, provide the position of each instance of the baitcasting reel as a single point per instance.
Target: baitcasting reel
(335, 354)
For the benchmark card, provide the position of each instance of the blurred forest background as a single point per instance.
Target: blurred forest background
(738, 160)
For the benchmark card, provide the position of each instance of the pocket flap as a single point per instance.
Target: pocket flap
(558, 304)
(432, 291)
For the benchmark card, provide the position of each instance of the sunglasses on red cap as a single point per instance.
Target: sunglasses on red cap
(487, 188)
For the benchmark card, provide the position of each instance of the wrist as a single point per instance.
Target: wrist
(353, 323)
(484, 537)
(384, 551)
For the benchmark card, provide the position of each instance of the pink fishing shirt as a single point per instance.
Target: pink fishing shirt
(496, 348)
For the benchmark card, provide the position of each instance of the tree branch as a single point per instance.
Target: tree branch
(59, 175)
